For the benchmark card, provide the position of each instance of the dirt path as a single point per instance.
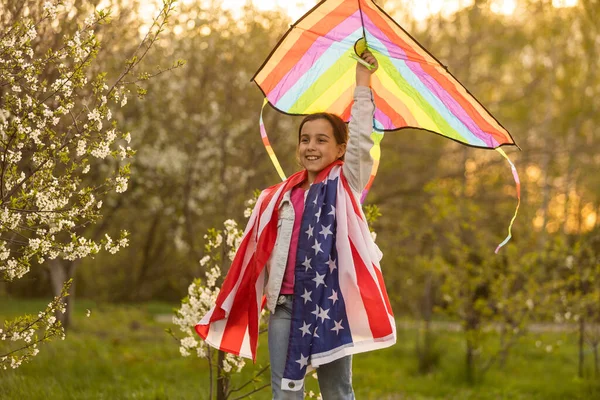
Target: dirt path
(445, 326)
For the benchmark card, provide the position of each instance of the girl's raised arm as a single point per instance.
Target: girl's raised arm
(358, 161)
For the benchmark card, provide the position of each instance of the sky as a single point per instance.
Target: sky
(419, 9)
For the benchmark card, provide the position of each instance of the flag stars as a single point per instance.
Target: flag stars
(333, 297)
(306, 263)
(332, 212)
(320, 230)
(338, 326)
(317, 247)
(331, 264)
(316, 312)
(324, 314)
(309, 232)
(306, 296)
(319, 279)
(326, 231)
(303, 361)
(304, 328)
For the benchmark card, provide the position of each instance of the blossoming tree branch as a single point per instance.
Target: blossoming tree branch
(56, 125)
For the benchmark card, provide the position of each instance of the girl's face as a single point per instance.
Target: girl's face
(318, 147)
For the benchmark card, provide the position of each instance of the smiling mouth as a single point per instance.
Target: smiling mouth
(312, 158)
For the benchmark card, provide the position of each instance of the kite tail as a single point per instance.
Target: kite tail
(265, 139)
(376, 154)
(518, 185)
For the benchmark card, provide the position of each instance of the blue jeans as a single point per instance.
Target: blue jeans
(335, 378)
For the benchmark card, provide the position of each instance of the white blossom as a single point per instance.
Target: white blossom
(34, 244)
(111, 136)
(184, 352)
(122, 152)
(204, 260)
(50, 9)
(89, 20)
(121, 182)
(94, 116)
(102, 151)
(81, 147)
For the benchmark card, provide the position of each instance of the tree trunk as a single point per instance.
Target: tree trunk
(581, 346)
(582, 292)
(595, 348)
(222, 380)
(504, 352)
(470, 362)
(472, 321)
(425, 347)
(148, 259)
(60, 272)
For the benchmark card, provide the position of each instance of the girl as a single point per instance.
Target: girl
(324, 287)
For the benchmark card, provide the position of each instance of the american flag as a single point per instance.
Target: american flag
(340, 303)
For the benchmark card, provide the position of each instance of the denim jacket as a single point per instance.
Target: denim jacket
(357, 170)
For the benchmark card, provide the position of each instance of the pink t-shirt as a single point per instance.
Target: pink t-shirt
(287, 286)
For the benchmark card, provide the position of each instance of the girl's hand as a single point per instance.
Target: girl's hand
(363, 74)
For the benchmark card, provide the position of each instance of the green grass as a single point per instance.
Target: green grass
(120, 352)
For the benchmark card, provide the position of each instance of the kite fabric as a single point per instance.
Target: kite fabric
(312, 70)
(337, 274)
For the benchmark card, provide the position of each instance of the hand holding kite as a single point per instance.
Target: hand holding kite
(363, 73)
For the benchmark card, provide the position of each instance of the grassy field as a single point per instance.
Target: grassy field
(121, 352)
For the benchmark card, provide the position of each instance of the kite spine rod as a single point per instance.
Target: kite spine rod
(360, 60)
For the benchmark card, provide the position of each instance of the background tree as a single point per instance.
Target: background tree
(57, 125)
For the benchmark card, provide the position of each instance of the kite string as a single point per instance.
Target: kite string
(518, 185)
(268, 147)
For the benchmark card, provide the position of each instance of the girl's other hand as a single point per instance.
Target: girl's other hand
(363, 74)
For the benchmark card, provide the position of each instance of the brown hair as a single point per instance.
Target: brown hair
(340, 129)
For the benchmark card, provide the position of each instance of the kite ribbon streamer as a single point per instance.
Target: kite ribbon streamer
(376, 154)
(265, 139)
(518, 184)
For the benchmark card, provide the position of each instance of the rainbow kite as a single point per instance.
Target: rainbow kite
(312, 69)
